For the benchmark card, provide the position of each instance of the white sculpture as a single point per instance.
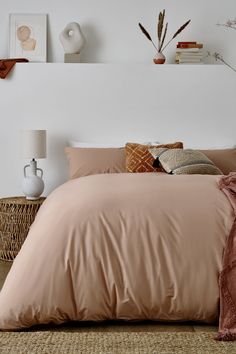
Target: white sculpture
(72, 38)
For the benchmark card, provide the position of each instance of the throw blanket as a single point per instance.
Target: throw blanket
(7, 64)
(227, 326)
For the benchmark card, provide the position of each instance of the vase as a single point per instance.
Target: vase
(159, 58)
(33, 185)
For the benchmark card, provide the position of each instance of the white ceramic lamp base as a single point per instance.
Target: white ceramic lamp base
(33, 185)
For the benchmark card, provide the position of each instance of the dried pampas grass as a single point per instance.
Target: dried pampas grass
(160, 34)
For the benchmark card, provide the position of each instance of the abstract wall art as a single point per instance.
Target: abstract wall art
(28, 37)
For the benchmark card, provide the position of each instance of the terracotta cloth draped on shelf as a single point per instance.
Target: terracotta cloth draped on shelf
(227, 327)
(7, 64)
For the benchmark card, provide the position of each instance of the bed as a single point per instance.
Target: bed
(122, 246)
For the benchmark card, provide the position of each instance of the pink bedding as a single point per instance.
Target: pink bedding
(121, 246)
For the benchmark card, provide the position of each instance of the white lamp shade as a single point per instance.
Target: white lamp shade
(34, 144)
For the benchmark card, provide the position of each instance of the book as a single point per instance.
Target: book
(187, 43)
(188, 60)
(186, 46)
(186, 50)
(189, 55)
(199, 63)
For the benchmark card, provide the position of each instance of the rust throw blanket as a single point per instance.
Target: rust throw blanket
(227, 327)
(7, 64)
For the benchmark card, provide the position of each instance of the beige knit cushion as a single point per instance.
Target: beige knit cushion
(139, 159)
(179, 161)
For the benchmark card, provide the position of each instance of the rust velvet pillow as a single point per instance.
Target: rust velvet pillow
(139, 159)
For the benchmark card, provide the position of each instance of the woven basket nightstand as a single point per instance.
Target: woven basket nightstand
(16, 216)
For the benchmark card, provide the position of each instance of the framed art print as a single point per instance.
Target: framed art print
(28, 37)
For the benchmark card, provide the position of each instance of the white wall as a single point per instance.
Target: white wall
(111, 103)
(111, 26)
(127, 101)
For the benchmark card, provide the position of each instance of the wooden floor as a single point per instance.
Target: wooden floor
(141, 327)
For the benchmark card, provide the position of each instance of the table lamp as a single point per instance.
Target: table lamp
(34, 147)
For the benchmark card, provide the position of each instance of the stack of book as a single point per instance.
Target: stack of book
(189, 53)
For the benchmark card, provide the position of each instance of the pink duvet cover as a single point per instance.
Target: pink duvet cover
(121, 246)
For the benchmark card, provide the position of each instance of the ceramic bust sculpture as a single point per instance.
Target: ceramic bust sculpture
(72, 38)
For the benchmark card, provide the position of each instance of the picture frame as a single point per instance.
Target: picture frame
(28, 37)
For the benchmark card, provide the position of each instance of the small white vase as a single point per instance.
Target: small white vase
(159, 58)
(32, 185)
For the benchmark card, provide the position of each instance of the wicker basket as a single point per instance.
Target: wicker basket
(16, 216)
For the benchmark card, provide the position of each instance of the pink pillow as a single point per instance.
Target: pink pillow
(224, 159)
(91, 161)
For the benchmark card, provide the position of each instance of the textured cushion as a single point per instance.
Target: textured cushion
(224, 159)
(179, 161)
(139, 159)
(90, 161)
